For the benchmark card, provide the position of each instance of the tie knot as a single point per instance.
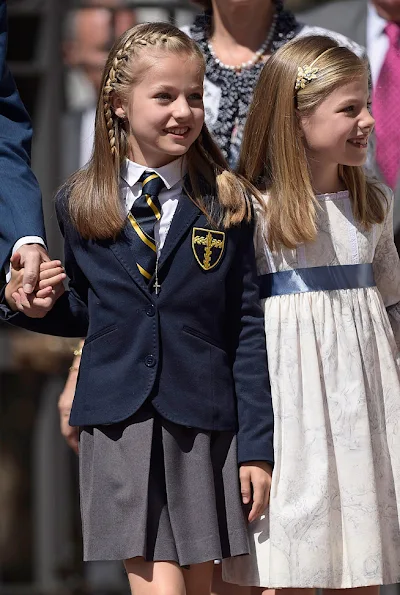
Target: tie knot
(152, 184)
(392, 30)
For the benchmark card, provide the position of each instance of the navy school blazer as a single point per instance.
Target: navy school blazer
(197, 349)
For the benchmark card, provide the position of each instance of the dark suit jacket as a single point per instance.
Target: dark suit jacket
(197, 350)
(20, 199)
(348, 17)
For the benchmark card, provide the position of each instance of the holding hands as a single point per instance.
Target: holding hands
(46, 292)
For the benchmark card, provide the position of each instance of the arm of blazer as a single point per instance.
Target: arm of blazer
(250, 367)
(69, 316)
(20, 199)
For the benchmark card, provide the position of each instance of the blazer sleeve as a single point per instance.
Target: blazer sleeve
(249, 356)
(20, 198)
(69, 316)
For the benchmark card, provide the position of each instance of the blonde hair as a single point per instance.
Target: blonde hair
(94, 201)
(273, 155)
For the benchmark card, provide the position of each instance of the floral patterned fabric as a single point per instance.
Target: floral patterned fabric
(333, 520)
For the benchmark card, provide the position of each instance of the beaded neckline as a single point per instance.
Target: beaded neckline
(257, 56)
(237, 87)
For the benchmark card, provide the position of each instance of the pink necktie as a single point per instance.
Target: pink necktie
(386, 109)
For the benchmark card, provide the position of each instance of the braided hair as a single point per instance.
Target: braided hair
(94, 203)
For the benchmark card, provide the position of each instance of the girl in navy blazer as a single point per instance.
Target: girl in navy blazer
(173, 389)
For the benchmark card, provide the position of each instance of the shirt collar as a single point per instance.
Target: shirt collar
(376, 24)
(171, 174)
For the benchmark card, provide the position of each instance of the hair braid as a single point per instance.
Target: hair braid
(121, 55)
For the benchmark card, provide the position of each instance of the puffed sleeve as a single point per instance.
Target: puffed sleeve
(386, 265)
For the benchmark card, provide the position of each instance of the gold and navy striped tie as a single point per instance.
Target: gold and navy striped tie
(144, 214)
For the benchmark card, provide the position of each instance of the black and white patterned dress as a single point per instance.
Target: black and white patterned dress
(334, 364)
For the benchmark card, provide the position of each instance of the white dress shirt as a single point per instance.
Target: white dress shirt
(171, 175)
(377, 42)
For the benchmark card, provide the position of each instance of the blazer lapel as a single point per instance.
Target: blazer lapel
(185, 215)
(124, 252)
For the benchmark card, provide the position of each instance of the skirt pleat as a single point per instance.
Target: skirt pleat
(165, 492)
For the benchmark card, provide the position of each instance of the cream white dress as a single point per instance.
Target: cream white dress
(333, 520)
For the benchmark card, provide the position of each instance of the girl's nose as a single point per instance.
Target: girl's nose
(367, 122)
(182, 109)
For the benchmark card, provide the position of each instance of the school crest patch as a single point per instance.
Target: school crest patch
(208, 247)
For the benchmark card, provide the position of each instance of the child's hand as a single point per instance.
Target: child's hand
(255, 484)
(13, 285)
(48, 290)
(16, 283)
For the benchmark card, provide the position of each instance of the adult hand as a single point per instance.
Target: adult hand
(255, 485)
(29, 257)
(70, 433)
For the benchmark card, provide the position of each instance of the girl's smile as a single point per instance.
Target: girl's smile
(359, 143)
(178, 132)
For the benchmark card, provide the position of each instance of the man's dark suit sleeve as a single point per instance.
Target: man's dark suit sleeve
(20, 199)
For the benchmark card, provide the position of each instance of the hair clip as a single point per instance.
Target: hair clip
(305, 75)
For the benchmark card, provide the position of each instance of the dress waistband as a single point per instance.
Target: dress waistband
(328, 278)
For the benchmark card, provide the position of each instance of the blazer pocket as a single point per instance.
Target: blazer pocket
(195, 333)
(101, 333)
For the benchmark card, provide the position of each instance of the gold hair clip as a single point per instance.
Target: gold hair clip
(305, 74)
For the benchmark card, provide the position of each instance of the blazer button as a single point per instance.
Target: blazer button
(150, 361)
(150, 310)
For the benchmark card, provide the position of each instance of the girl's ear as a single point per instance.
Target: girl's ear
(117, 106)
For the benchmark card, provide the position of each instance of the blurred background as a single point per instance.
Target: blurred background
(56, 52)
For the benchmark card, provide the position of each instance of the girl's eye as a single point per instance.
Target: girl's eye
(349, 109)
(163, 96)
(196, 97)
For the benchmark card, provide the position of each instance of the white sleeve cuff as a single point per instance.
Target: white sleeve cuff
(22, 242)
(28, 240)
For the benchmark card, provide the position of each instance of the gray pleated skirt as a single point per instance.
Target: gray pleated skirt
(165, 492)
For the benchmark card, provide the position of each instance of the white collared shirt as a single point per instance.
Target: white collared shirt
(377, 42)
(171, 175)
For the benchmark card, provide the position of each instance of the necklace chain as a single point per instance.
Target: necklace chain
(257, 56)
(156, 284)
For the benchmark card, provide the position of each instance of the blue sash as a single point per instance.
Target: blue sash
(328, 278)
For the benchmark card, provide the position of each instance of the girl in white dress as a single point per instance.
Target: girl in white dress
(330, 283)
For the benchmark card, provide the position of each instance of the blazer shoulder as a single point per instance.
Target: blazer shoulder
(61, 203)
(336, 10)
(346, 19)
